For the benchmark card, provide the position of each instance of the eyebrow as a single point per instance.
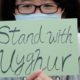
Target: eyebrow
(33, 0)
(26, 0)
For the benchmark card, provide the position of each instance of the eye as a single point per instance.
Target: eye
(27, 6)
(47, 6)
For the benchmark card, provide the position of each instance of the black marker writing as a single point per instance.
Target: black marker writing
(28, 63)
(4, 35)
(62, 36)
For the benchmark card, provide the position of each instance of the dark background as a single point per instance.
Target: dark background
(0, 9)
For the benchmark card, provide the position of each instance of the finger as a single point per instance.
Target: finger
(38, 78)
(34, 75)
(44, 77)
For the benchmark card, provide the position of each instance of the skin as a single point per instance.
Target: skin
(38, 75)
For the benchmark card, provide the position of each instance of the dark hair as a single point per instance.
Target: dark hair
(71, 9)
(8, 7)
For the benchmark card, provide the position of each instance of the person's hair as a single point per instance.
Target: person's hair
(71, 9)
(8, 7)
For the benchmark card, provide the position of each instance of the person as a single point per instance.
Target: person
(25, 9)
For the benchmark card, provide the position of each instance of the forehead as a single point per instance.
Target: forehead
(33, 0)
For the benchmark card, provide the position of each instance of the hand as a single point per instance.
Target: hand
(38, 75)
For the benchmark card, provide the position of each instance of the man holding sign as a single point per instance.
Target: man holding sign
(50, 9)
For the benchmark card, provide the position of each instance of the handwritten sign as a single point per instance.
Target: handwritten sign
(50, 45)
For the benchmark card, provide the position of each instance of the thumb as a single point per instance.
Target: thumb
(34, 75)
